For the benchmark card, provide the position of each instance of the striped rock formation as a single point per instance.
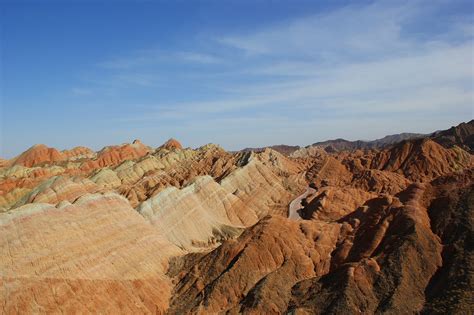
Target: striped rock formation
(136, 230)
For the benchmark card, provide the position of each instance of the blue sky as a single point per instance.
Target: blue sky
(236, 73)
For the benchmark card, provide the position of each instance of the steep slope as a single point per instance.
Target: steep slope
(171, 144)
(172, 168)
(380, 230)
(421, 160)
(403, 254)
(380, 182)
(284, 149)
(331, 203)
(255, 272)
(59, 188)
(346, 145)
(450, 202)
(17, 181)
(207, 212)
(95, 254)
(387, 258)
(38, 154)
(106, 178)
(198, 215)
(78, 153)
(114, 155)
(461, 135)
(309, 151)
(381, 256)
(259, 187)
(328, 171)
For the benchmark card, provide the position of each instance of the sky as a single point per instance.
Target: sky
(236, 73)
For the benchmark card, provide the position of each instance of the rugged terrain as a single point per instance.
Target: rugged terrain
(383, 228)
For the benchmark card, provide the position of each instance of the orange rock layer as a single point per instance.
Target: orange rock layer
(132, 229)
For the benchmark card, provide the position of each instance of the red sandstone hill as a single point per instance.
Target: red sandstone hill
(175, 230)
(37, 154)
(421, 160)
(461, 135)
(78, 153)
(114, 155)
(171, 144)
(385, 256)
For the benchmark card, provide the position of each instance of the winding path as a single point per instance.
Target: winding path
(295, 205)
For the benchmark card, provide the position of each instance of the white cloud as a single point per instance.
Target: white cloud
(423, 81)
(198, 57)
(357, 62)
(156, 57)
(351, 30)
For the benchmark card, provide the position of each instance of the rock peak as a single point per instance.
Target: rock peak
(171, 144)
(37, 154)
(38, 146)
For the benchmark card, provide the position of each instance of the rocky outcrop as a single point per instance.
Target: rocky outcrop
(309, 151)
(450, 204)
(384, 255)
(114, 155)
(59, 188)
(133, 229)
(380, 182)
(332, 203)
(403, 254)
(255, 273)
(10, 198)
(357, 262)
(79, 153)
(259, 188)
(280, 164)
(328, 171)
(199, 215)
(106, 178)
(461, 135)
(171, 144)
(338, 145)
(16, 171)
(284, 149)
(17, 181)
(95, 254)
(175, 168)
(38, 154)
(421, 160)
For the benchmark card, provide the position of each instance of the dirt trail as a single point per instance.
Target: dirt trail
(295, 205)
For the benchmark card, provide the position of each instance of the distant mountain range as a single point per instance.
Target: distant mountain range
(132, 229)
(282, 148)
(461, 135)
(343, 145)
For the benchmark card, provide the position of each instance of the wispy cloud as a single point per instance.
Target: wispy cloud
(360, 60)
(353, 30)
(198, 57)
(423, 81)
(156, 57)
